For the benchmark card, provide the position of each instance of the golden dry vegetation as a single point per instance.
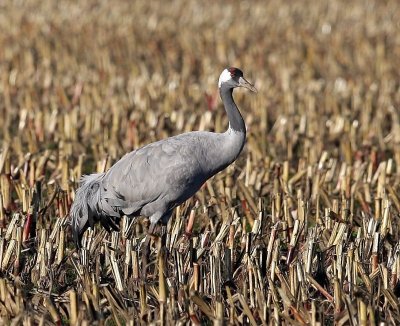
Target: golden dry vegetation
(302, 229)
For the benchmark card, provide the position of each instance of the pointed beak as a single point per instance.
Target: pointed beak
(244, 83)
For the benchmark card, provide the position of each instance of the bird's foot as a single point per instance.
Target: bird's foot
(183, 242)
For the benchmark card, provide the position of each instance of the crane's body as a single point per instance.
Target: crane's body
(151, 181)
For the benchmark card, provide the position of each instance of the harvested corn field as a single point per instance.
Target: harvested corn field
(302, 229)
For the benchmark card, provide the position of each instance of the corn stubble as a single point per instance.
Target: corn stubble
(302, 229)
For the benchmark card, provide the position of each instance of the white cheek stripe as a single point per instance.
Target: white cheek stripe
(224, 77)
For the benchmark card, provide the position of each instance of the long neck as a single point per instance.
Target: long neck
(231, 142)
(236, 122)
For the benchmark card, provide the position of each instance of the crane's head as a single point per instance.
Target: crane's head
(233, 77)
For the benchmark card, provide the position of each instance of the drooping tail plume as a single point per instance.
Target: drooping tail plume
(84, 210)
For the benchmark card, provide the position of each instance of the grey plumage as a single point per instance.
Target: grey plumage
(151, 181)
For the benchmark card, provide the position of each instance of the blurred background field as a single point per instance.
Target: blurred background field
(302, 229)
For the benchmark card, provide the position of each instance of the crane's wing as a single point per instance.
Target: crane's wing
(157, 175)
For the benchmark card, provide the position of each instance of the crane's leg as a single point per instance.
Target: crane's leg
(163, 218)
(146, 251)
(146, 245)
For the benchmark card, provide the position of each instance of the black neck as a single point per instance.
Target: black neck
(235, 118)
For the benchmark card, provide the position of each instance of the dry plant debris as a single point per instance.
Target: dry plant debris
(303, 229)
